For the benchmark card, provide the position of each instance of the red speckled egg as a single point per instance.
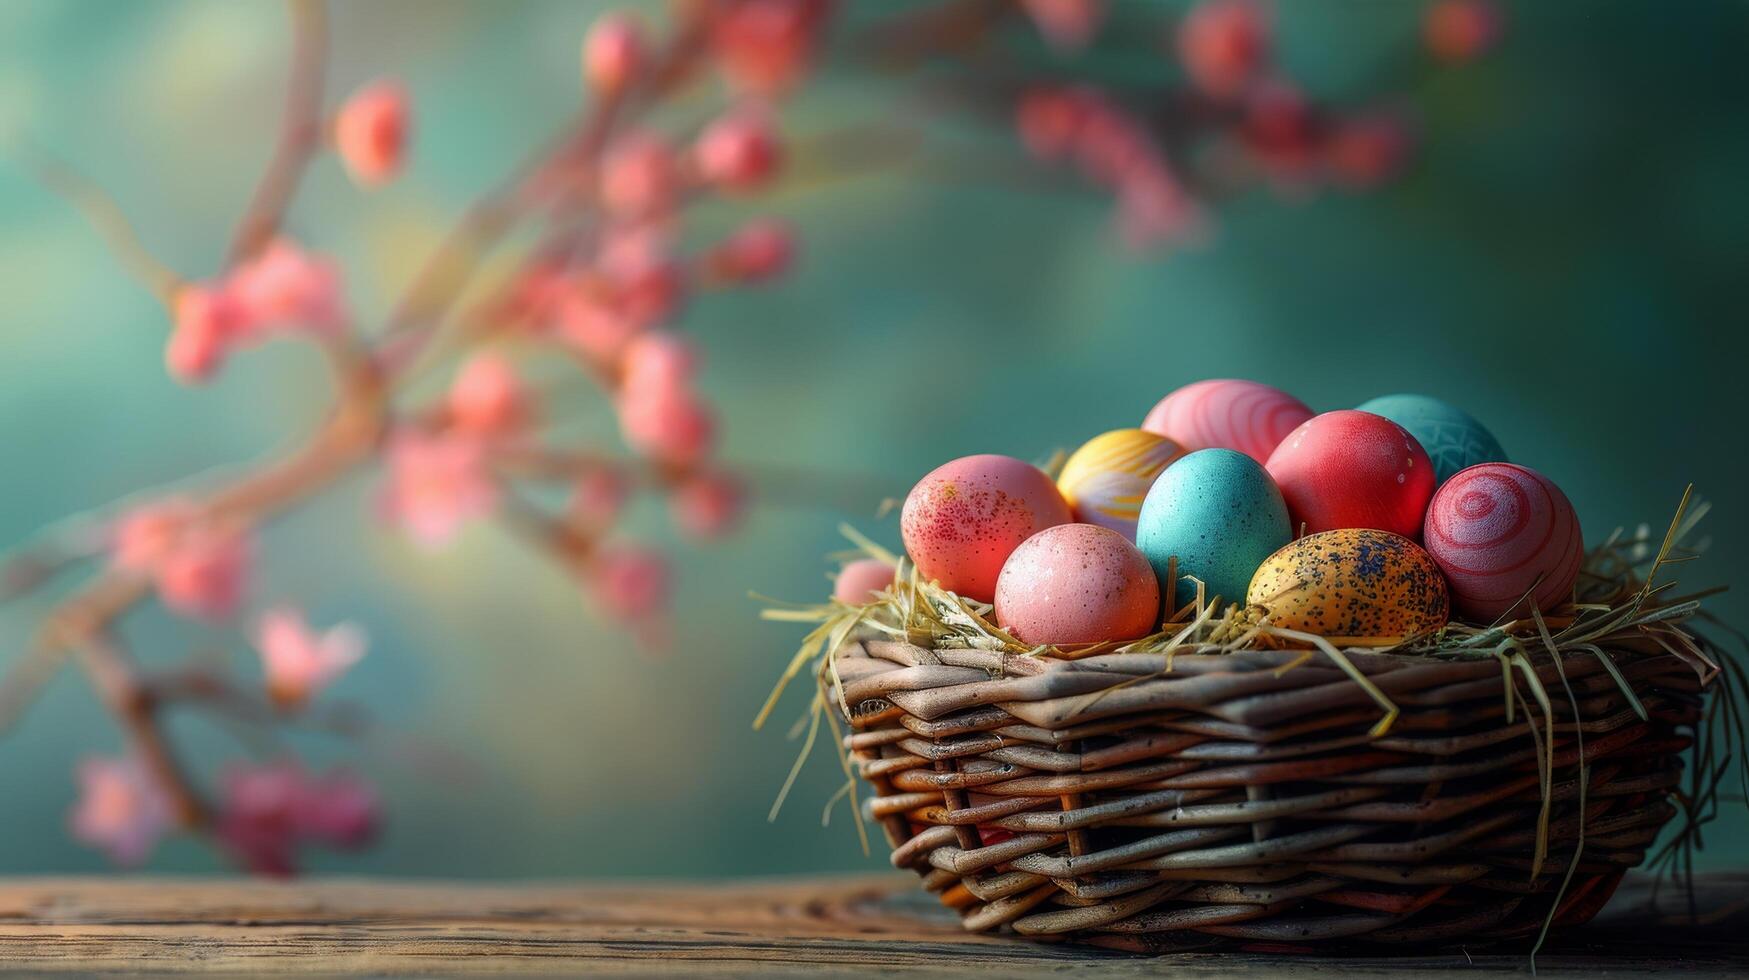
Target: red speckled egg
(1353, 469)
(1496, 529)
(963, 520)
(858, 581)
(1228, 414)
(1077, 583)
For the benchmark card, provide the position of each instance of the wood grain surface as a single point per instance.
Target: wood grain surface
(815, 926)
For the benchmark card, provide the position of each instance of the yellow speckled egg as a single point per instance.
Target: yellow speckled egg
(1106, 480)
(1353, 586)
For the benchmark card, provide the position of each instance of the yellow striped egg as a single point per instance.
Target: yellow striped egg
(1355, 587)
(1106, 480)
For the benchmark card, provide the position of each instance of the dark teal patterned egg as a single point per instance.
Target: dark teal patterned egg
(1452, 437)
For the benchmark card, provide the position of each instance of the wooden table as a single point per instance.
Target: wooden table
(817, 926)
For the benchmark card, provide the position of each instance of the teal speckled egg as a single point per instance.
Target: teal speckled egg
(1452, 437)
(1218, 512)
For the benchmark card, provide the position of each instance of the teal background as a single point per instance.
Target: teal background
(1566, 261)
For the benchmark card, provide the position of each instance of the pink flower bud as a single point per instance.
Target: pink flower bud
(646, 283)
(1457, 31)
(370, 133)
(121, 809)
(764, 46)
(738, 152)
(614, 52)
(595, 326)
(337, 809)
(1368, 150)
(1280, 130)
(436, 485)
(1224, 44)
(487, 398)
(760, 250)
(300, 662)
(672, 427)
(858, 581)
(267, 811)
(630, 582)
(1067, 24)
(204, 574)
(656, 363)
(143, 536)
(284, 286)
(640, 177)
(1049, 121)
(708, 504)
(598, 498)
(207, 319)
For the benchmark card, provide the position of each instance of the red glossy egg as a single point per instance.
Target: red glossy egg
(963, 520)
(1498, 531)
(1349, 469)
(1077, 583)
(1226, 413)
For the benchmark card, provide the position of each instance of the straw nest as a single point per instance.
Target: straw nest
(1192, 788)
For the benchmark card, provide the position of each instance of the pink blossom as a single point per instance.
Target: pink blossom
(370, 132)
(299, 661)
(739, 151)
(284, 286)
(764, 46)
(657, 362)
(614, 52)
(670, 426)
(630, 582)
(858, 581)
(1067, 24)
(588, 320)
(1224, 44)
(640, 176)
(204, 574)
(645, 281)
(207, 319)
(1153, 209)
(267, 811)
(598, 498)
(1457, 31)
(436, 484)
(758, 251)
(708, 504)
(144, 535)
(1050, 120)
(121, 810)
(1367, 150)
(487, 397)
(1281, 132)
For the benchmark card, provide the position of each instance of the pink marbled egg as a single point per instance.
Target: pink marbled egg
(1077, 583)
(963, 520)
(1228, 414)
(858, 581)
(1495, 529)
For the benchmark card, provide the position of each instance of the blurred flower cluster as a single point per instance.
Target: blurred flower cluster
(439, 400)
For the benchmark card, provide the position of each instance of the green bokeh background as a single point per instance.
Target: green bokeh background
(1566, 260)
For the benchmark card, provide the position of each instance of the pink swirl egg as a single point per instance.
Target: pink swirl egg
(1228, 414)
(963, 520)
(1077, 583)
(1496, 530)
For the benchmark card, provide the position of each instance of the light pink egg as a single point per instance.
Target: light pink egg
(1077, 583)
(963, 520)
(858, 581)
(1226, 413)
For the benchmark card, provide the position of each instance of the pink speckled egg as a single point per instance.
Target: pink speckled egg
(1228, 414)
(1349, 469)
(963, 520)
(1496, 529)
(858, 581)
(1077, 583)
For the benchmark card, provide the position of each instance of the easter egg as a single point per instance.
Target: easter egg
(858, 581)
(1353, 469)
(1451, 436)
(1219, 514)
(1497, 531)
(1228, 414)
(1077, 583)
(963, 520)
(1354, 587)
(1105, 480)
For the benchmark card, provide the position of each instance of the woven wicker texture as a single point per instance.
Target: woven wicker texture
(1134, 801)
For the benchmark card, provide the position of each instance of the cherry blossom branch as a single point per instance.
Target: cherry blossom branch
(300, 133)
